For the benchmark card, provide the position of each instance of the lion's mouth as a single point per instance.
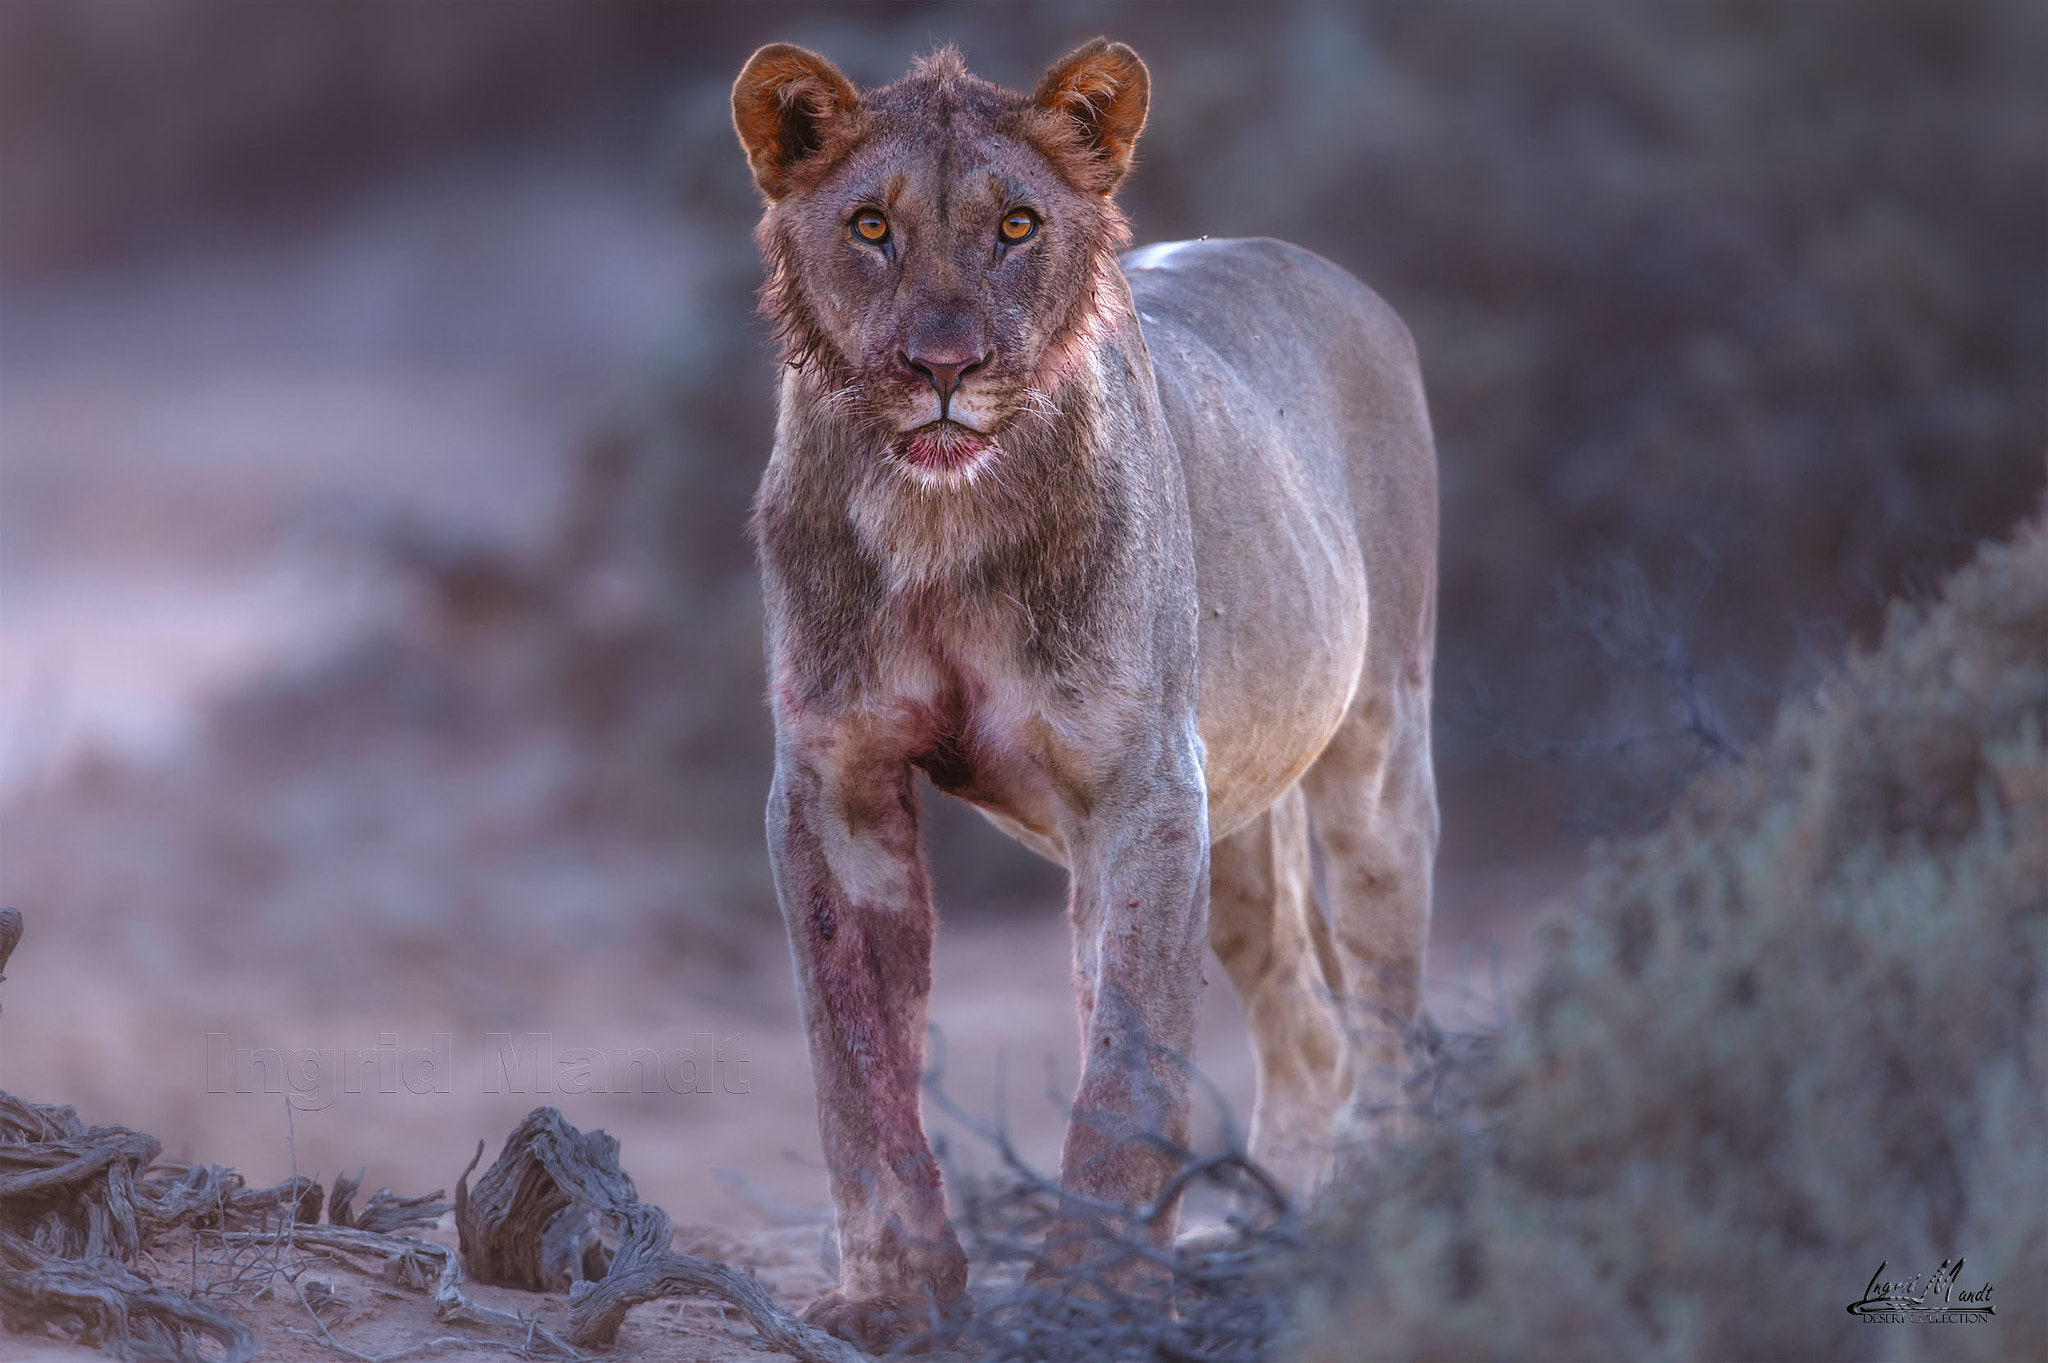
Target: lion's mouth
(945, 447)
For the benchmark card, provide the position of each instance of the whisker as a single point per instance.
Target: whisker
(1040, 404)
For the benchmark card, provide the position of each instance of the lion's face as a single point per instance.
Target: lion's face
(939, 276)
(938, 247)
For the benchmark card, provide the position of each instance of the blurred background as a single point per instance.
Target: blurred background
(380, 403)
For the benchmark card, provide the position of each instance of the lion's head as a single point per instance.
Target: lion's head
(940, 251)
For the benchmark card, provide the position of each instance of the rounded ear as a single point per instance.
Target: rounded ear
(1101, 91)
(790, 106)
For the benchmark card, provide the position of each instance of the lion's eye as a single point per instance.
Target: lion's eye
(871, 226)
(1019, 226)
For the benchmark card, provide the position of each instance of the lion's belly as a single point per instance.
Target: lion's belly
(1283, 639)
(1282, 636)
(1278, 559)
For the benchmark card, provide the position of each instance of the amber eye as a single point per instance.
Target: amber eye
(1019, 226)
(871, 226)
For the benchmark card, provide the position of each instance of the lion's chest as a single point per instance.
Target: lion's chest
(968, 710)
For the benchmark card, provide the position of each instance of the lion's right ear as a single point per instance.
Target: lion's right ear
(790, 106)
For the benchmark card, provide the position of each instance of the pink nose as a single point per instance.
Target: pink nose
(944, 371)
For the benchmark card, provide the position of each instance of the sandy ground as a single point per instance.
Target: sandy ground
(191, 448)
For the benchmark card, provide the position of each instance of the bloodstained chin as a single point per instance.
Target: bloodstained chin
(945, 447)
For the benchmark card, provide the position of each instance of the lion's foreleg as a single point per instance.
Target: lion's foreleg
(1140, 903)
(851, 881)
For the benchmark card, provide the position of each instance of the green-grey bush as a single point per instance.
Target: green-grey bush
(1797, 1032)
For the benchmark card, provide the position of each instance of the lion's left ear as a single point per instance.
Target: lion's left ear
(1101, 91)
(790, 106)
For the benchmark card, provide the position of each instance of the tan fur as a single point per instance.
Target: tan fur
(1137, 557)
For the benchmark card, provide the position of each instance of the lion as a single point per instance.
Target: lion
(1135, 554)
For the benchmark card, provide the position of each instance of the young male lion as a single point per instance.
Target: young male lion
(1139, 557)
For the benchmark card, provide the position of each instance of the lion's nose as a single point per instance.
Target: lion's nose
(944, 370)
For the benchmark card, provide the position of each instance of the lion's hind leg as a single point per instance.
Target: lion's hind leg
(1263, 926)
(1372, 795)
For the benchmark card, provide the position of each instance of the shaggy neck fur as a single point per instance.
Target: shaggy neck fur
(853, 547)
(1051, 479)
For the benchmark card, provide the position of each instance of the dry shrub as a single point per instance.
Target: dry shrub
(1798, 1032)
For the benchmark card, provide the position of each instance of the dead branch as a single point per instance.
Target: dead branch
(101, 1303)
(549, 1171)
(523, 1226)
(385, 1211)
(646, 1269)
(406, 1261)
(73, 1208)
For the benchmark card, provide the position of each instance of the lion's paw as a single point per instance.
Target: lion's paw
(875, 1323)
